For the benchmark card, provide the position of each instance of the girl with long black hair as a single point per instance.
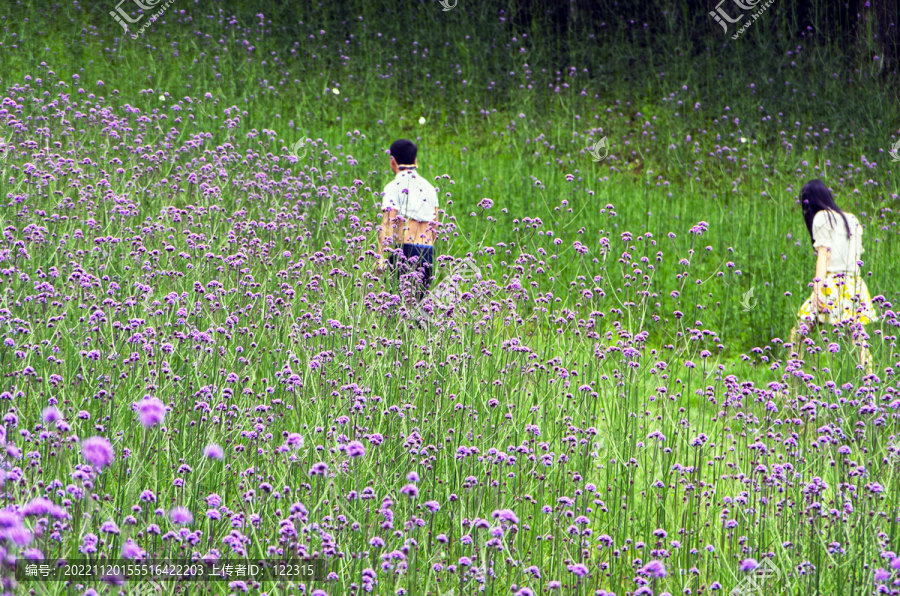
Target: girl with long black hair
(839, 293)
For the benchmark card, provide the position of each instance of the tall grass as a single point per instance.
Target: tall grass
(601, 379)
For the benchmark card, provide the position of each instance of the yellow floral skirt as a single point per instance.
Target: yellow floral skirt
(848, 301)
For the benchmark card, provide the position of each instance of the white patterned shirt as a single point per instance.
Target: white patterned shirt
(411, 195)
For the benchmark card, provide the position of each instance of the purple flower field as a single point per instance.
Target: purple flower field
(198, 363)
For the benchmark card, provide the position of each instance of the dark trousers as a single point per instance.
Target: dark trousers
(417, 259)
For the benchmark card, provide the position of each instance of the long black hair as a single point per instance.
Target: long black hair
(814, 197)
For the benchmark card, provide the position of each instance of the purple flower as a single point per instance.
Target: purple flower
(17, 535)
(109, 527)
(98, 452)
(432, 506)
(578, 570)
(295, 440)
(505, 515)
(88, 544)
(654, 569)
(410, 490)
(151, 411)
(9, 519)
(213, 451)
(130, 550)
(181, 515)
(882, 576)
(355, 449)
(41, 506)
(211, 557)
(749, 565)
(51, 415)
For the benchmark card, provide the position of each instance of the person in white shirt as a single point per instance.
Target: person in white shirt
(410, 218)
(839, 293)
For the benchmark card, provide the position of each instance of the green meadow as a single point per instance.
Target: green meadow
(198, 362)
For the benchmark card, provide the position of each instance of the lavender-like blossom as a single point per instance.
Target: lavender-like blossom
(98, 452)
(655, 569)
(181, 515)
(151, 411)
(355, 449)
(51, 414)
(213, 451)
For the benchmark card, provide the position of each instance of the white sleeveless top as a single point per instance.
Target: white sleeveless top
(828, 230)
